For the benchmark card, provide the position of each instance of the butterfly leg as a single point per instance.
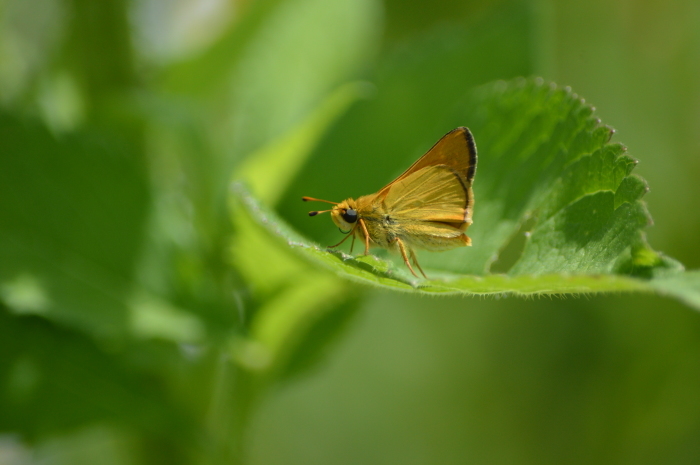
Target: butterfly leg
(336, 245)
(345, 239)
(402, 249)
(415, 262)
(364, 230)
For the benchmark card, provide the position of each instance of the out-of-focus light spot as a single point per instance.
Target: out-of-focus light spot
(167, 30)
(155, 318)
(25, 295)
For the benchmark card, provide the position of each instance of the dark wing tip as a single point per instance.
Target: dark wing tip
(471, 146)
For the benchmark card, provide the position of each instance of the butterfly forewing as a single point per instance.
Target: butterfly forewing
(434, 193)
(455, 149)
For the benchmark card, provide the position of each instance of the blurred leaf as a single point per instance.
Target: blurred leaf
(269, 170)
(55, 379)
(71, 225)
(97, 58)
(300, 309)
(306, 49)
(544, 157)
(273, 68)
(297, 311)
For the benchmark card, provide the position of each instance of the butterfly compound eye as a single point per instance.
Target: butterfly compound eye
(350, 215)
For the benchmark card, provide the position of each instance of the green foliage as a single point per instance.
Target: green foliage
(130, 312)
(73, 218)
(159, 276)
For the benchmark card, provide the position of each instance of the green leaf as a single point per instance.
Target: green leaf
(545, 165)
(683, 286)
(71, 224)
(378, 272)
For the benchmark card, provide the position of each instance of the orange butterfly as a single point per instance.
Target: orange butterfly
(429, 206)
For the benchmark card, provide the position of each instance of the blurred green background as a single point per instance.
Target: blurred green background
(133, 332)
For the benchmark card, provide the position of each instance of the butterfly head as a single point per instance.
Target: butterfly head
(343, 214)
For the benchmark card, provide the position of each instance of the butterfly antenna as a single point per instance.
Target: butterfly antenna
(307, 199)
(316, 213)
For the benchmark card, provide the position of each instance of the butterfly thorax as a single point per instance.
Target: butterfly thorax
(382, 226)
